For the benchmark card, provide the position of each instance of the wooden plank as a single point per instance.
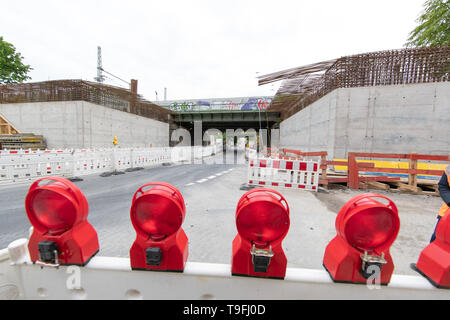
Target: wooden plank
(405, 171)
(331, 180)
(380, 155)
(314, 154)
(353, 181)
(323, 159)
(378, 178)
(10, 128)
(337, 163)
(431, 157)
(430, 193)
(412, 177)
(363, 185)
(402, 156)
(378, 185)
(406, 187)
(366, 165)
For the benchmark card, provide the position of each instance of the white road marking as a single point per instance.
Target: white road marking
(209, 178)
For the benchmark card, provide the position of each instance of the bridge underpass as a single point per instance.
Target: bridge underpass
(223, 121)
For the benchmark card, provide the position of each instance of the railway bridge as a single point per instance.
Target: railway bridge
(242, 115)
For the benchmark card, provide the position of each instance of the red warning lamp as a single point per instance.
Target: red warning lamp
(366, 229)
(434, 260)
(157, 212)
(262, 221)
(58, 211)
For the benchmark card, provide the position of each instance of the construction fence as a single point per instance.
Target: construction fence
(409, 172)
(25, 165)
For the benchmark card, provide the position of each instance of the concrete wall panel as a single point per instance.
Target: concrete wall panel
(387, 119)
(80, 124)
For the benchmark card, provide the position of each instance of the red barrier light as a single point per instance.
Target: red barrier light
(58, 211)
(262, 221)
(370, 228)
(434, 260)
(53, 211)
(366, 229)
(157, 213)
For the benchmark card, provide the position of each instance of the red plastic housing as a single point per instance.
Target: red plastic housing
(434, 260)
(262, 220)
(58, 211)
(157, 213)
(362, 224)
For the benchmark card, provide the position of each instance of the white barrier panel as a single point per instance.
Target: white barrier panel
(112, 278)
(89, 161)
(293, 174)
(148, 156)
(23, 165)
(19, 165)
(251, 153)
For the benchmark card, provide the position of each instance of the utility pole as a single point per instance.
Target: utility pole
(100, 78)
(133, 90)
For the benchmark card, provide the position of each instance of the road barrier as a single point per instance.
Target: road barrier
(293, 174)
(412, 171)
(377, 170)
(27, 165)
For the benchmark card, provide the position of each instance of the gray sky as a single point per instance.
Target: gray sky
(198, 49)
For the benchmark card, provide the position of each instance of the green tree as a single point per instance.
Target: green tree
(12, 70)
(434, 25)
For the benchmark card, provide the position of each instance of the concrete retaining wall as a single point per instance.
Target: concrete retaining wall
(387, 119)
(80, 124)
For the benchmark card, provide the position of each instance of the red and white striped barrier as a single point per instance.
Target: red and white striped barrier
(293, 174)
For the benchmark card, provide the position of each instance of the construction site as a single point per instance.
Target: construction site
(366, 125)
(384, 113)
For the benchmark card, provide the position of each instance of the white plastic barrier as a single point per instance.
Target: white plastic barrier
(148, 156)
(251, 153)
(293, 174)
(112, 278)
(20, 165)
(24, 165)
(88, 161)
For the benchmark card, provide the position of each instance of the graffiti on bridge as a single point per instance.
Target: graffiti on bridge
(261, 103)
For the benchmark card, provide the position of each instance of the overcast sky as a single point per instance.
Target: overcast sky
(198, 49)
